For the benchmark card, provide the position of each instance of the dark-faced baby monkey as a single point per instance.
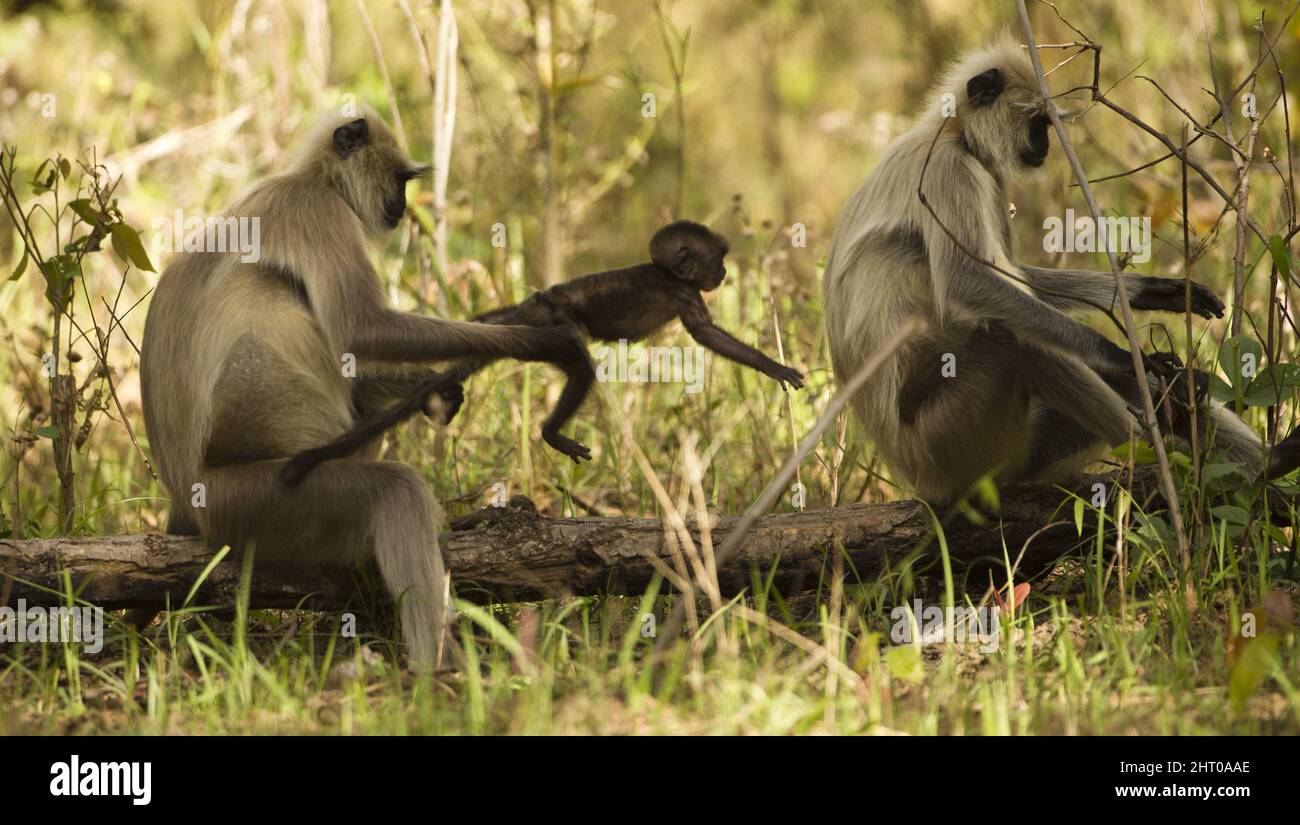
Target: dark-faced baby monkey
(628, 304)
(245, 364)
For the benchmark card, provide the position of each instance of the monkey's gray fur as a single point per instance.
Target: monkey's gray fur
(1037, 395)
(243, 366)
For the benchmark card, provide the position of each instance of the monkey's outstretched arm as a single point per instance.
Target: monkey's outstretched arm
(1083, 289)
(970, 212)
(983, 295)
(569, 353)
(390, 335)
(699, 323)
(534, 312)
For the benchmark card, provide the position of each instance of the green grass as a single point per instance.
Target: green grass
(582, 667)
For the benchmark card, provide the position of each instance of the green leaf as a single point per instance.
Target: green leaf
(1155, 527)
(127, 245)
(1213, 472)
(1238, 353)
(1281, 255)
(61, 273)
(86, 211)
(36, 176)
(1256, 660)
(987, 490)
(1078, 515)
(1231, 514)
(40, 187)
(48, 432)
(1144, 454)
(65, 168)
(22, 267)
(1274, 532)
(53, 270)
(1220, 391)
(1273, 385)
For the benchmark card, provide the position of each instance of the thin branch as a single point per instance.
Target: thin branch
(1139, 367)
(1181, 150)
(378, 49)
(777, 486)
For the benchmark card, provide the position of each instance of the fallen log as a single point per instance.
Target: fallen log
(514, 553)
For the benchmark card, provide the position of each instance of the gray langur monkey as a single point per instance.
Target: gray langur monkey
(246, 364)
(1003, 382)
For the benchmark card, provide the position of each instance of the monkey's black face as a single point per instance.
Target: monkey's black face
(1035, 152)
(395, 203)
(715, 280)
(372, 173)
(395, 206)
(715, 268)
(708, 274)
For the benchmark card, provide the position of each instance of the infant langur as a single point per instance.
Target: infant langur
(629, 304)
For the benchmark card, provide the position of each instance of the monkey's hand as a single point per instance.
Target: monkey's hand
(1172, 405)
(1162, 363)
(785, 375)
(1170, 294)
(445, 403)
(573, 449)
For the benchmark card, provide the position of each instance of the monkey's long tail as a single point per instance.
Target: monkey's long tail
(367, 432)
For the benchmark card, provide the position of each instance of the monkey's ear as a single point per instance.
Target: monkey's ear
(984, 88)
(350, 137)
(682, 258)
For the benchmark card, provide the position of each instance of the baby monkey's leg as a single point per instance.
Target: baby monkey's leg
(579, 378)
(538, 311)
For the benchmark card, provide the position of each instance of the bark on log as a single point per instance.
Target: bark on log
(516, 554)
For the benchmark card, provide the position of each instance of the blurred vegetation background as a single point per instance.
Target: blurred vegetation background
(766, 115)
(580, 127)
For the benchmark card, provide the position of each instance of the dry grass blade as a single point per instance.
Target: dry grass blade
(909, 330)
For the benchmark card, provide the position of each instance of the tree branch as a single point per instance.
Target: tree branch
(515, 554)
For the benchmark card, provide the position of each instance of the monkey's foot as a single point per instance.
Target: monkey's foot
(445, 403)
(568, 446)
